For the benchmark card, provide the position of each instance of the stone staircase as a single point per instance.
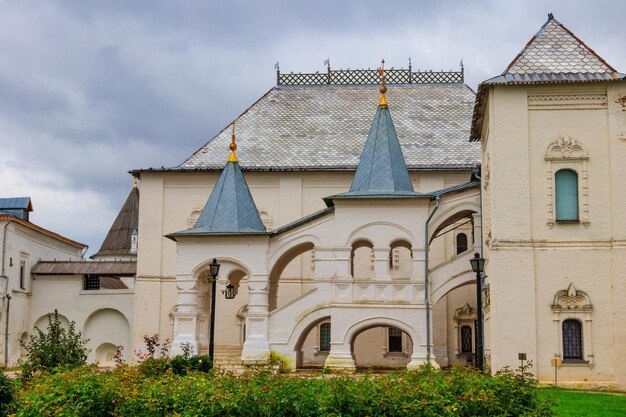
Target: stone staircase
(228, 358)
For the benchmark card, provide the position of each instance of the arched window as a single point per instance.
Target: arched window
(572, 340)
(566, 195)
(466, 339)
(461, 243)
(324, 337)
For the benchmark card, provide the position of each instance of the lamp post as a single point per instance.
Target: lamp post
(478, 264)
(214, 270)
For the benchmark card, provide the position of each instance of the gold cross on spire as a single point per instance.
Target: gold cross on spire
(233, 145)
(383, 87)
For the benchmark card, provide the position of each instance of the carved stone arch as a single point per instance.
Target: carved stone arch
(287, 246)
(450, 215)
(355, 329)
(228, 263)
(355, 235)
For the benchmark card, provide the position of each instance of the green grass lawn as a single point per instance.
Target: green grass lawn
(580, 404)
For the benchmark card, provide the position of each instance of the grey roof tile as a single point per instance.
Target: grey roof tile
(553, 50)
(325, 128)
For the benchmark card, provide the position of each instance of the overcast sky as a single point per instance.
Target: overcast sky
(92, 89)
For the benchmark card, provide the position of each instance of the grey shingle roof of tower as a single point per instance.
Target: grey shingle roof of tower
(325, 128)
(118, 240)
(553, 55)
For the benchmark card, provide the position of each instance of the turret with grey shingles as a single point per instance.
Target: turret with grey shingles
(118, 242)
(230, 207)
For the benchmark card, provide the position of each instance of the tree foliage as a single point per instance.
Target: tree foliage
(57, 347)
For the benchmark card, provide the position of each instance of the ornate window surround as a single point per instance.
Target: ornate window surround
(567, 153)
(464, 316)
(573, 304)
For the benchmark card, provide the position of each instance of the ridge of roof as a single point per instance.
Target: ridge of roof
(118, 238)
(49, 233)
(230, 207)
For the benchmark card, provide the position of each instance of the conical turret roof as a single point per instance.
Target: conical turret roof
(381, 172)
(230, 207)
(118, 241)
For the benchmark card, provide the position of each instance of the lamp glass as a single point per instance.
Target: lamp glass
(215, 268)
(230, 291)
(478, 263)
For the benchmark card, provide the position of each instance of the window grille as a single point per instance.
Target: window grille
(92, 282)
(566, 195)
(395, 340)
(325, 337)
(461, 243)
(572, 340)
(466, 339)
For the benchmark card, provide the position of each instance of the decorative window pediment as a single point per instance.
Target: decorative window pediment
(572, 299)
(565, 148)
(465, 313)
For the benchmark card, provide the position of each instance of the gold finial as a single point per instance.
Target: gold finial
(134, 182)
(233, 145)
(383, 87)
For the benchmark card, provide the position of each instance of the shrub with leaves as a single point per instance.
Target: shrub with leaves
(57, 347)
(7, 395)
(428, 392)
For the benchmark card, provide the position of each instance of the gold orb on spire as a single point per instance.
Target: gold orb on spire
(233, 145)
(383, 87)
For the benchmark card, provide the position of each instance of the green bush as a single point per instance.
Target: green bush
(57, 347)
(424, 392)
(7, 395)
(179, 365)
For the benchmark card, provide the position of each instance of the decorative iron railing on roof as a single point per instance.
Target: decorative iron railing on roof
(369, 77)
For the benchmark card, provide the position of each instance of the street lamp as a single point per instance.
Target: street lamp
(214, 270)
(478, 265)
(229, 294)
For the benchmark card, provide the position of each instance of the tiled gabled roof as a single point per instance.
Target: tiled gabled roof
(325, 128)
(556, 50)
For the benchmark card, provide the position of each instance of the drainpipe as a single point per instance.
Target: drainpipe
(6, 293)
(426, 286)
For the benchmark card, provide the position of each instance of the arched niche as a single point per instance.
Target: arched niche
(362, 260)
(400, 259)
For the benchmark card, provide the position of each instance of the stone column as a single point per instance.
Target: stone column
(478, 232)
(381, 263)
(256, 347)
(186, 315)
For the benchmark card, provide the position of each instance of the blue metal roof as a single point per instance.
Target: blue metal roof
(22, 203)
(230, 207)
(381, 170)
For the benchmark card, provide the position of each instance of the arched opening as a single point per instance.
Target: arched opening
(295, 267)
(454, 316)
(313, 346)
(461, 243)
(107, 326)
(362, 260)
(400, 260)
(379, 346)
(42, 322)
(105, 354)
